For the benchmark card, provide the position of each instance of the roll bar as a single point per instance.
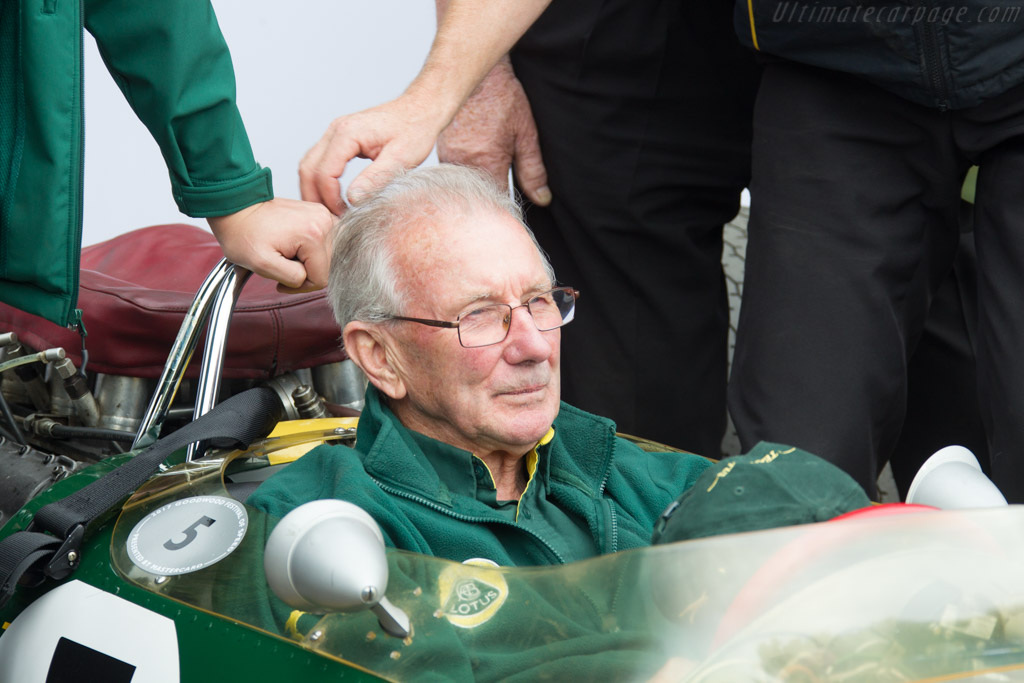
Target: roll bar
(213, 305)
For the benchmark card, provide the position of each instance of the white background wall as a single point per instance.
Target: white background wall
(298, 65)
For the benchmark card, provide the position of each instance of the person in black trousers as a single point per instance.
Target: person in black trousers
(644, 116)
(855, 223)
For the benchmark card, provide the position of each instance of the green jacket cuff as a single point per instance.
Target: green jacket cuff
(223, 198)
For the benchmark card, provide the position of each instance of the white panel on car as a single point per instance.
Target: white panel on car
(76, 624)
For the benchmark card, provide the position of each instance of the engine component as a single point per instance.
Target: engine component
(82, 399)
(308, 403)
(122, 401)
(46, 427)
(25, 473)
(285, 385)
(341, 383)
(23, 367)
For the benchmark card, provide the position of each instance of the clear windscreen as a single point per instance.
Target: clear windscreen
(924, 596)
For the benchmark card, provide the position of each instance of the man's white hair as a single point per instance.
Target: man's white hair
(363, 284)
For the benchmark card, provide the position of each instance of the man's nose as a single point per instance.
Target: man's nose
(525, 341)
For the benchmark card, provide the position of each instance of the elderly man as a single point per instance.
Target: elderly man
(464, 450)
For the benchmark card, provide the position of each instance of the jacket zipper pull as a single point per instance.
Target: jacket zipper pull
(78, 325)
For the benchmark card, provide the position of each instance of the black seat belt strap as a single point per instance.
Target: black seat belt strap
(55, 534)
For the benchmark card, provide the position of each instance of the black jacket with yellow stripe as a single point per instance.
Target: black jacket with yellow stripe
(940, 55)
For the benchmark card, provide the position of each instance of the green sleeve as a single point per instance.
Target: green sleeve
(173, 66)
(644, 483)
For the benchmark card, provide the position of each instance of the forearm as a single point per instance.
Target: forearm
(472, 35)
(173, 66)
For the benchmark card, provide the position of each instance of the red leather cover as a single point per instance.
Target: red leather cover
(135, 289)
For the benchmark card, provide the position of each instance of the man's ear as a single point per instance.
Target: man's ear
(369, 348)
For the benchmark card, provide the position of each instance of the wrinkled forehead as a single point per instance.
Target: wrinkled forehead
(459, 249)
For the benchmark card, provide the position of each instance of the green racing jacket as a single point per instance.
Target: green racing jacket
(173, 66)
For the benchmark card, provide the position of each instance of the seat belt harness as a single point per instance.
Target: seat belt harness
(51, 545)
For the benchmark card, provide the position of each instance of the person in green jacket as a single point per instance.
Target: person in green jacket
(173, 66)
(464, 449)
(465, 452)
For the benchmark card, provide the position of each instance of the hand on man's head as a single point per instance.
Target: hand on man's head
(396, 135)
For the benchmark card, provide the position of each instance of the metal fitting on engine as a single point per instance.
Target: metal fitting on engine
(86, 408)
(40, 426)
(54, 355)
(308, 403)
(27, 374)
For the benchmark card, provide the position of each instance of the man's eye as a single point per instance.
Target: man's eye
(542, 301)
(482, 315)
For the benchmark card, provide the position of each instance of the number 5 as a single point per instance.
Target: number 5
(190, 533)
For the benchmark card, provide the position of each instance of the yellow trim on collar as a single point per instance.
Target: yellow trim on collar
(531, 464)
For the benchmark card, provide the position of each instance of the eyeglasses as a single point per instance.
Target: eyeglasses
(490, 324)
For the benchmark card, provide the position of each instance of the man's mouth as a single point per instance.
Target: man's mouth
(523, 390)
(526, 390)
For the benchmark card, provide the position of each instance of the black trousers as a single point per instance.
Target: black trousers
(854, 226)
(942, 403)
(644, 111)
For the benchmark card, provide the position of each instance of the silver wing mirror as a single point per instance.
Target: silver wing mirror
(951, 479)
(328, 556)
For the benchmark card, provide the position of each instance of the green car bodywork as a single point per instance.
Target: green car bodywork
(210, 647)
(933, 595)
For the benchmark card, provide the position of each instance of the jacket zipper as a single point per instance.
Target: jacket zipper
(75, 314)
(613, 526)
(465, 518)
(933, 64)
